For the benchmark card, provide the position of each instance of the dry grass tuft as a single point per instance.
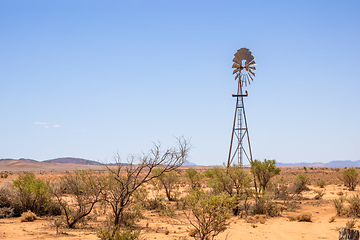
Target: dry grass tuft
(28, 216)
(304, 217)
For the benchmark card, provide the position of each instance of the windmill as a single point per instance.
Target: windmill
(244, 64)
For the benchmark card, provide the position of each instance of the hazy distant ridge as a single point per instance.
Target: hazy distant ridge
(82, 161)
(336, 163)
(73, 161)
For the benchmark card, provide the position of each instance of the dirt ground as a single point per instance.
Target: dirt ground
(177, 227)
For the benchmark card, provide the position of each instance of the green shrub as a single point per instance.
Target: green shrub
(28, 216)
(169, 181)
(321, 183)
(34, 195)
(193, 177)
(301, 182)
(354, 205)
(339, 206)
(350, 178)
(263, 172)
(208, 213)
(265, 206)
(115, 233)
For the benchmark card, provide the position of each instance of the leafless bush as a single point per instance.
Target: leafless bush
(85, 188)
(6, 212)
(125, 179)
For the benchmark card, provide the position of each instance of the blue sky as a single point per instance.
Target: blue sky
(91, 78)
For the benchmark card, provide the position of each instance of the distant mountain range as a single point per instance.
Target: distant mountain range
(71, 160)
(82, 161)
(336, 163)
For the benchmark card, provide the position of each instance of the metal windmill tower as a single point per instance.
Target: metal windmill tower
(244, 64)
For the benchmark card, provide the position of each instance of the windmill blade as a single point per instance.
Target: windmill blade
(237, 76)
(236, 65)
(251, 77)
(236, 70)
(250, 58)
(252, 73)
(253, 63)
(253, 68)
(238, 58)
(235, 60)
(248, 78)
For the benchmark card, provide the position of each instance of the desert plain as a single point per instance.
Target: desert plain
(324, 222)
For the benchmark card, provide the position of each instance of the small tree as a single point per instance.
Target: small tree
(239, 178)
(208, 213)
(168, 181)
(85, 187)
(350, 178)
(193, 177)
(220, 181)
(125, 179)
(300, 183)
(264, 171)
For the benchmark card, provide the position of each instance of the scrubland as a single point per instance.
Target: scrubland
(182, 203)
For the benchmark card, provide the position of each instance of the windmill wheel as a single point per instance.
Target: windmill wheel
(244, 64)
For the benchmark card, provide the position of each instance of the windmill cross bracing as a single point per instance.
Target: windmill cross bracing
(244, 64)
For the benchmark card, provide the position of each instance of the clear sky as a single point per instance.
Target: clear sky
(87, 79)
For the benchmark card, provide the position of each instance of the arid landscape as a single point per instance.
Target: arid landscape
(311, 214)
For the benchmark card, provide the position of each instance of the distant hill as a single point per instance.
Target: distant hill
(301, 164)
(187, 163)
(73, 161)
(344, 163)
(337, 163)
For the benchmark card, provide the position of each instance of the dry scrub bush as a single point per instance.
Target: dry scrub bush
(208, 213)
(339, 206)
(85, 188)
(124, 179)
(319, 195)
(256, 219)
(28, 216)
(8, 205)
(354, 206)
(300, 183)
(304, 217)
(169, 181)
(350, 223)
(265, 206)
(321, 183)
(350, 178)
(193, 177)
(114, 233)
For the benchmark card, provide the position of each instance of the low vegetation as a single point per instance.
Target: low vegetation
(125, 196)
